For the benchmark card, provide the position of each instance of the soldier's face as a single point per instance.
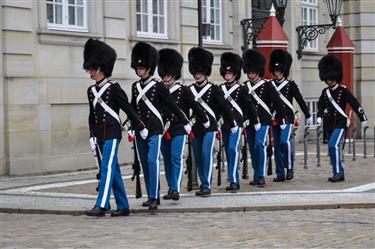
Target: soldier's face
(199, 77)
(142, 72)
(229, 76)
(278, 74)
(330, 83)
(252, 76)
(95, 74)
(168, 79)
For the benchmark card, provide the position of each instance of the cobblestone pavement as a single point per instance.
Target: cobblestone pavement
(338, 228)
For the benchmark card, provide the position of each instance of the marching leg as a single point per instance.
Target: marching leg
(286, 149)
(207, 162)
(261, 150)
(334, 154)
(167, 156)
(197, 151)
(177, 151)
(154, 170)
(280, 171)
(253, 154)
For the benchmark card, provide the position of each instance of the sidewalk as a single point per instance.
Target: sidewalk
(73, 193)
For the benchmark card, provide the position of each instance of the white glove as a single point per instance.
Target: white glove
(363, 124)
(187, 128)
(144, 133)
(234, 129)
(93, 143)
(257, 126)
(309, 121)
(207, 124)
(283, 126)
(319, 121)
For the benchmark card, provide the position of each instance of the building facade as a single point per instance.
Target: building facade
(43, 103)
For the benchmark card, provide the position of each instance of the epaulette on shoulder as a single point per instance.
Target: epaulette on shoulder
(157, 80)
(343, 86)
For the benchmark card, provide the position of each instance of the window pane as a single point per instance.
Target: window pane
(144, 23)
(80, 2)
(58, 14)
(58, 1)
(154, 6)
(161, 8)
(79, 16)
(72, 2)
(155, 24)
(217, 16)
(217, 33)
(50, 13)
(161, 25)
(204, 15)
(139, 24)
(144, 6)
(138, 6)
(212, 16)
(72, 15)
(212, 32)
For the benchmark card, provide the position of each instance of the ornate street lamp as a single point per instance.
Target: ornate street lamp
(251, 27)
(308, 33)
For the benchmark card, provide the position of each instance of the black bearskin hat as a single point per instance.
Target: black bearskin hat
(253, 61)
(280, 60)
(144, 55)
(97, 54)
(330, 68)
(200, 61)
(170, 62)
(231, 62)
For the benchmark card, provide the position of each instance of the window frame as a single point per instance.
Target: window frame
(150, 15)
(65, 26)
(207, 39)
(310, 5)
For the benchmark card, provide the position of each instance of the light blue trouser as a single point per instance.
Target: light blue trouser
(334, 140)
(232, 151)
(173, 151)
(203, 147)
(283, 149)
(149, 153)
(110, 176)
(258, 150)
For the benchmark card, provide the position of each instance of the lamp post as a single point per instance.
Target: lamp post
(251, 27)
(308, 33)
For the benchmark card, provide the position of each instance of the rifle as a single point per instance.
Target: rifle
(189, 159)
(305, 148)
(269, 159)
(269, 155)
(219, 160)
(136, 171)
(98, 162)
(244, 156)
(189, 168)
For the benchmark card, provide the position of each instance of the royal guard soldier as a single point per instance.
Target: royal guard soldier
(333, 102)
(150, 97)
(174, 139)
(280, 63)
(106, 98)
(264, 97)
(212, 100)
(242, 106)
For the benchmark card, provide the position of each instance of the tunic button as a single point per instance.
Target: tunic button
(103, 119)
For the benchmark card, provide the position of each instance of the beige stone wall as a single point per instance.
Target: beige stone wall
(359, 22)
(2, 127)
